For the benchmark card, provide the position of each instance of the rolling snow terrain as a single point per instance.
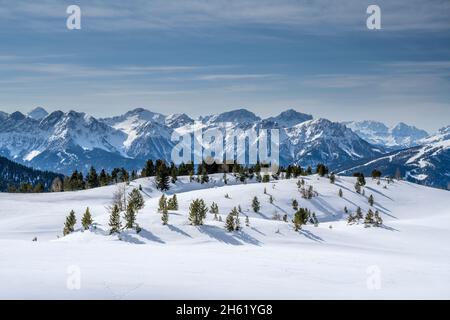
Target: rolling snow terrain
(408, 257)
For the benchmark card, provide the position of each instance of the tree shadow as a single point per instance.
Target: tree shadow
(311, 235)
(131, 238)
(257, 231)
(150, 236)
(219, 235)
(247, 238)
(176, 229)
(388, 228)
(378, 192)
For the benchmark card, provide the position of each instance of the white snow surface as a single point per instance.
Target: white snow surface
(408, 258)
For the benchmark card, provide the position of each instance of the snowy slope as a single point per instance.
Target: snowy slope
(268, 259)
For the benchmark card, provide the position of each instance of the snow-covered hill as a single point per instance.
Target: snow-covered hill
(397, 137)
(427, 164)
(406, 258)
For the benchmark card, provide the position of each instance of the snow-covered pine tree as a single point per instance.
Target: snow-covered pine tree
(247, 221)
(255, 204)
(237, 222)
(114, 220)
(86, 221)
(295, 204)
(197, 212)
(371, 200)
(266, 178)
(359, 214)
(315, 220)
(214, 208)
(69, 225)
(332, 178)
(368, 220)
(378, 219)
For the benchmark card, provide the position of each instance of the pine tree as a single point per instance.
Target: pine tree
(332, 178)
(357, 187)
(214, 208)
(266, 178)
(255, 204)
(270, 199)
(205, 177)
(162, 177)
(136, 200)
(359, 214)
(265, 190)
(285, 218)
(162, 203)
(371, 200)
(130, 217)
(69, 225)
(197, 212)
(295, 204)
(247, 221)
(92, 178)
(114, 220)
(300, 218)
(165, 216)
(237, 222)
(369, 218)
(315, 220)
(350, 219)
(229, 223)
(172, 203)
(378, 219)
(239, 208)
(86, 221)
(345, 209)
(341, 193)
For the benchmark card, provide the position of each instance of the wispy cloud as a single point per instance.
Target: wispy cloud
(319, 15)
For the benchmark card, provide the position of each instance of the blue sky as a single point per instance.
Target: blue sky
(202, 57)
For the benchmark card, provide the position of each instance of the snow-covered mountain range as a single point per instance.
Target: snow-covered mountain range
(65, 141)
(428, 163)
(397, 137)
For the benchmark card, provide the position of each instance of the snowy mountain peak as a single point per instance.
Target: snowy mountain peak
(17, 116)
(237, 116)
(177, 120)
(289, 118)
(38, 113)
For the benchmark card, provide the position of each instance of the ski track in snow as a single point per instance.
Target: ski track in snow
(267, 260)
